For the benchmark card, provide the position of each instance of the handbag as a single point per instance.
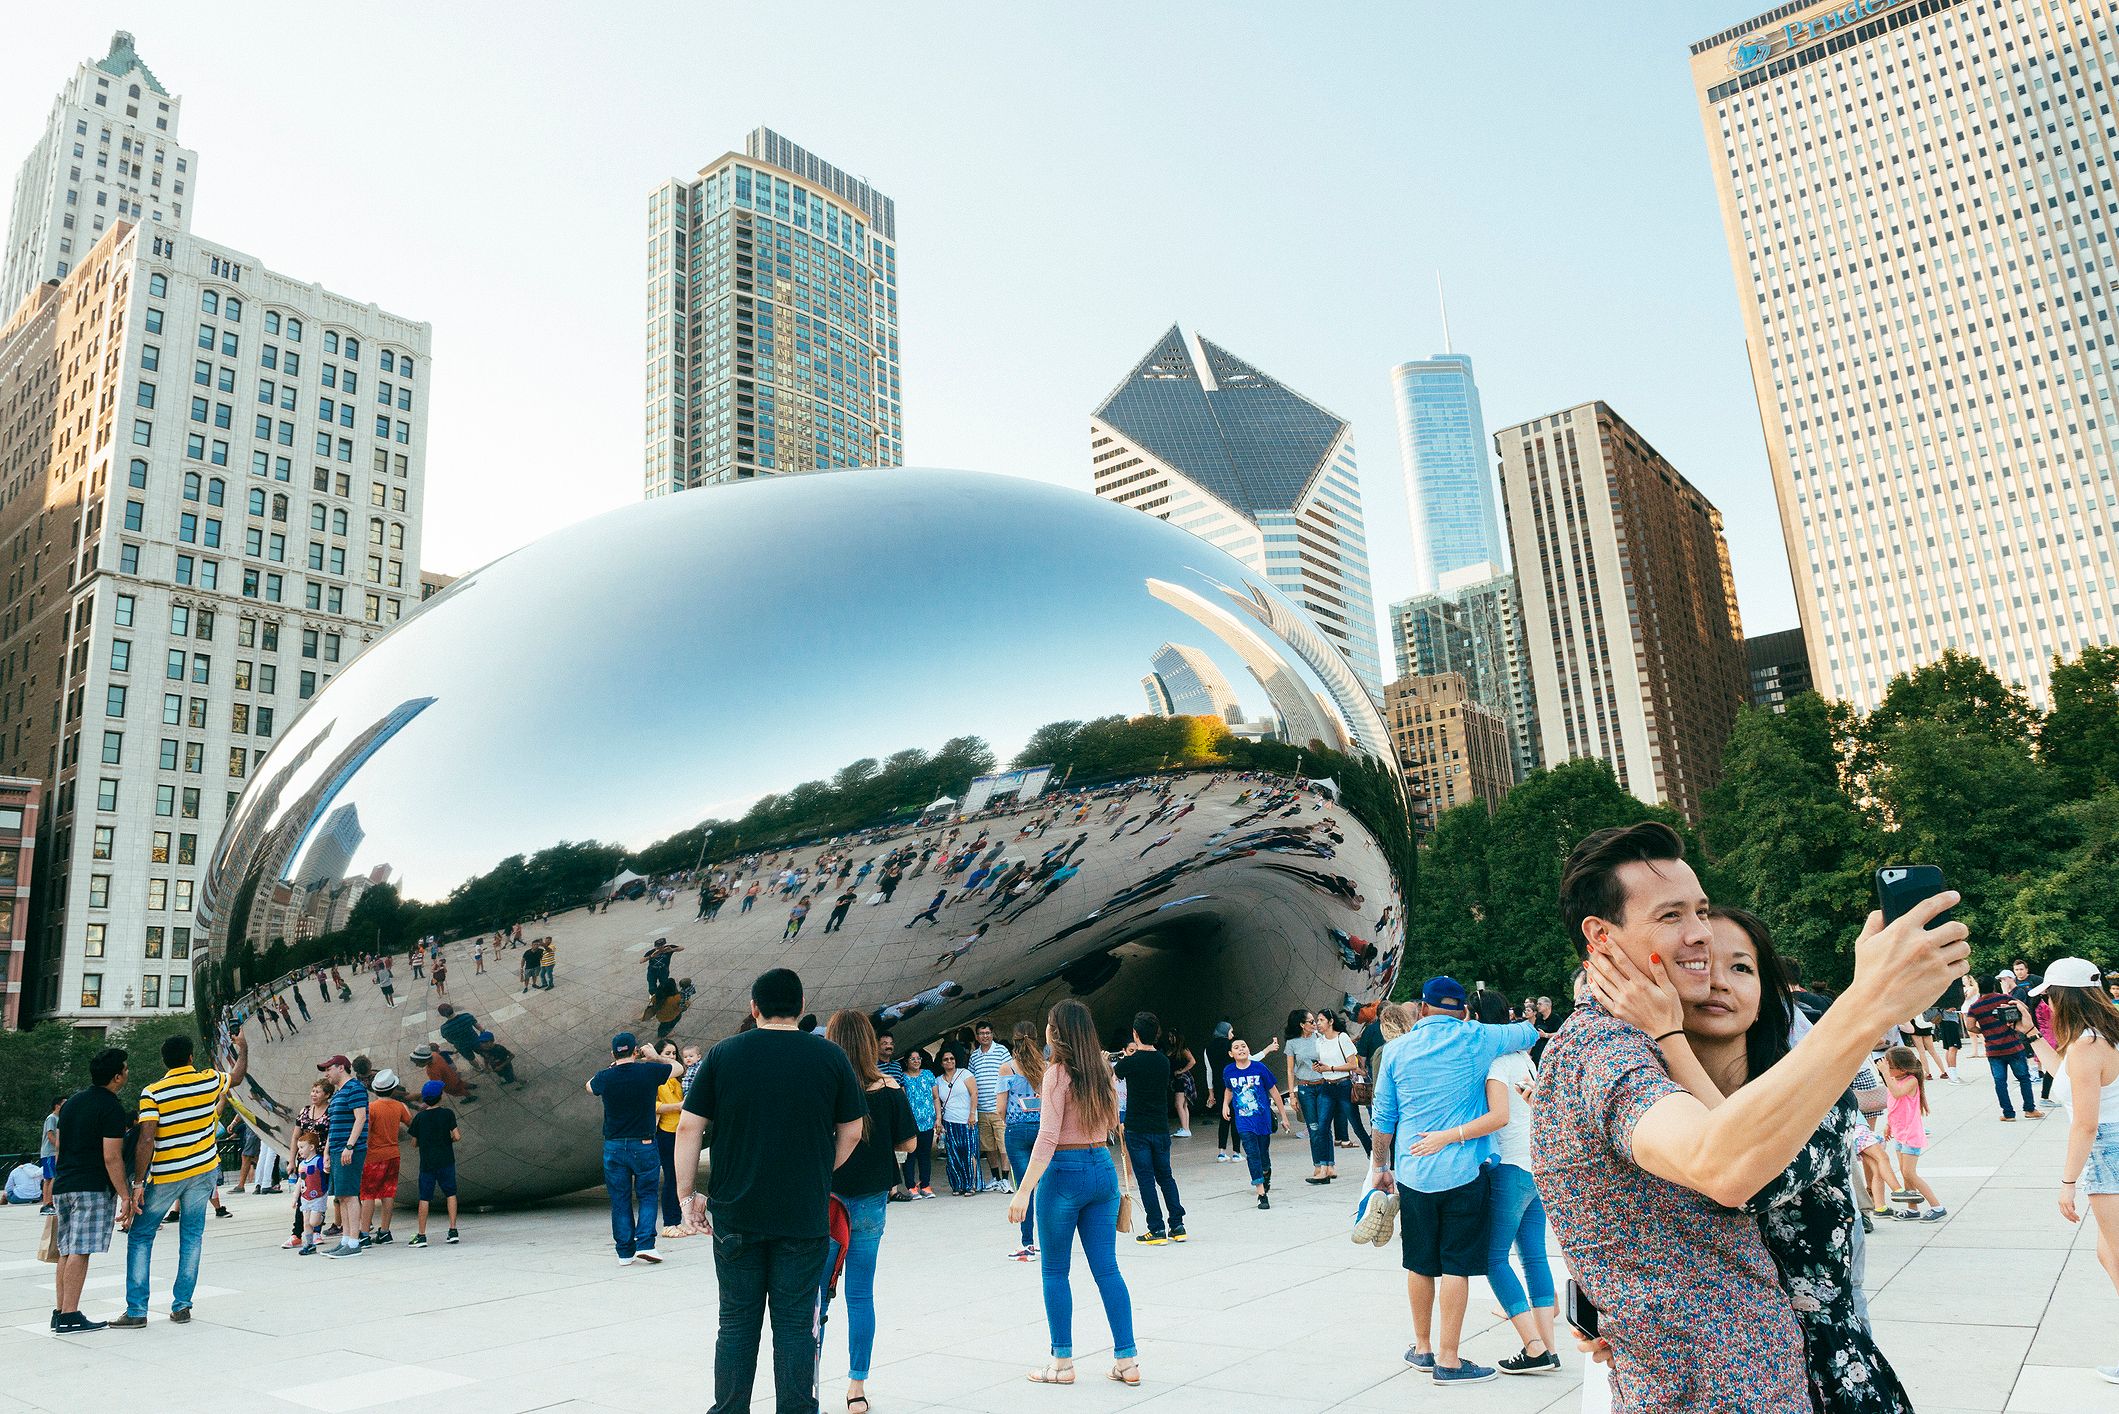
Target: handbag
(48, 1242)
(1364, 1094)
(1125, 1180)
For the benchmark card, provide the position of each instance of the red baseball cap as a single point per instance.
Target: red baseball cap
(340, 1061)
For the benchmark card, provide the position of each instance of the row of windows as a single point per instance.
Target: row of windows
(150, 986)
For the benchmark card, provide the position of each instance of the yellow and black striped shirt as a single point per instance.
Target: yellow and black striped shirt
(182, 1104)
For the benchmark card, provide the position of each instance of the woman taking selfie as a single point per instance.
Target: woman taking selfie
(2083, 1059)
(1076, 1186)
(1727, 1040)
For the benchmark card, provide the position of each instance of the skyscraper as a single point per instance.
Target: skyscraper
(1779, 667)
(1473, 626)
(1448, 478)
(772, 320)
(109, 153)
(1452, 747)
(1186, 683)
(1629, 609)
(1918, 201)
(1203, 440)
(178, 592)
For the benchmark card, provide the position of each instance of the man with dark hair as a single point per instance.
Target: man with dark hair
(345, 1149)
(1809, 1003)
(1691, 1302)
(987, 1058)
(786, 1111)
(175, 1165)
(89, 1192)
(1145, 1072)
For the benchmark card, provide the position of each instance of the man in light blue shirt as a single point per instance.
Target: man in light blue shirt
(1432, 1124)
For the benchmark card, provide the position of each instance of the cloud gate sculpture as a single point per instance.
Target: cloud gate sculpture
(945, 701)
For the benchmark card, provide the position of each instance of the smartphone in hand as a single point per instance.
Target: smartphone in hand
(1581, 1312)
(1900, 886)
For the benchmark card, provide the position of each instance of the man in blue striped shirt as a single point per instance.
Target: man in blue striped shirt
(986, 1060)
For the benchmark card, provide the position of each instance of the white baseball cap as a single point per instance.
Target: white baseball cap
(2070, 972)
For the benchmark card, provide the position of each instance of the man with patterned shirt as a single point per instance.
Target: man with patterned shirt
(175, 1164)
(1644, 1184)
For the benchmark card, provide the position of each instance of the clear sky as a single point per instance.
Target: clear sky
(1071, 176)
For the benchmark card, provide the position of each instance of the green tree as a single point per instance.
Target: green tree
(1972, 802)
(1447, 923)
(1957, 692)
(2074, 910)
(1531, 833)
(2079, 741)
(1788, 843)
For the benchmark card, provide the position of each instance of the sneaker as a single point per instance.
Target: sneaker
(308, 1250)
(419, 1239)
(126, 1322)
(1021, 1254)
(1934, 1215)
(56, 1313)
(451, 1238)
(1375, 1217)
(346, 1249)
(1910, 1215)
(291, 1242)
(1180, 1134)
(180, 1315)
(384, 1237)
(1264, 1202)
(1177, 1234)
(2109, 1374)
(1464, 1372)
(1152, 1239)
(650, 1256)
(333, 1230)
(2034, 1114)
(73, 1322)
(2008, 1119)
(1904, 1195)
(1423, 1361)
(625, 1261)
(1221, 1158)
(1525, 1363)
(46, 1211)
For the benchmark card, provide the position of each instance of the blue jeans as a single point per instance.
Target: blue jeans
(1150, 1156)
(630, 1171)
(191, 1197)
(1258, 1153)
(1515, 1217)
(864, 1237)
(1079, 1193)
(1020, 1139)
(2003, 1069)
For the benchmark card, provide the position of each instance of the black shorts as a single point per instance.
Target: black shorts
(1444, 1234)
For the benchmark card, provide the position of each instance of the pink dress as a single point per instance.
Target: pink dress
(1908, 1126)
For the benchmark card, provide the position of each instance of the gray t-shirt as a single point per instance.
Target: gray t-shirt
(1302, 1051)
(50, 1147)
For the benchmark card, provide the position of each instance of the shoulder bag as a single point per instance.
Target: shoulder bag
(1124, 1166)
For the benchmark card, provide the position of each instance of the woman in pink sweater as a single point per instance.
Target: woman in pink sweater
(1076, 1187)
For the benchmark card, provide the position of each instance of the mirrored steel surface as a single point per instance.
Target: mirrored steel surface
(678, 661)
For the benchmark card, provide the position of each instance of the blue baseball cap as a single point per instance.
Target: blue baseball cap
(1444, 992)
(431, 1091)
(625, 1041)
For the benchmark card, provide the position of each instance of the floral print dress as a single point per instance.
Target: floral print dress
(1808, 1217)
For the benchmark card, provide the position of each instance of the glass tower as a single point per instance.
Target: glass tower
(1448, 487)
(1203, 440)
(772, 320)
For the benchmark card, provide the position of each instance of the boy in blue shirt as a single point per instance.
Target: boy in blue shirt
(1250, 1098)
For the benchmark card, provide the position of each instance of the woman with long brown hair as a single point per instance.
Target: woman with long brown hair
(1078, 1106)
(1021, 1075)
(2084, 1053)
(863, 1185)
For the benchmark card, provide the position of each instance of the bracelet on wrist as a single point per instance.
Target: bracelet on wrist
(2068, 1182)
(1668, 1034)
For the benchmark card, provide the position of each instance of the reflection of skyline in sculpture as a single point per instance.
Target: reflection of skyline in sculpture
(1186, 683)
(494, 809)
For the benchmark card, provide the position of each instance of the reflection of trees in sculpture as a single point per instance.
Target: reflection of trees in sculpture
(861, 795)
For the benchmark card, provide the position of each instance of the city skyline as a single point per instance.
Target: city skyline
(997, 364)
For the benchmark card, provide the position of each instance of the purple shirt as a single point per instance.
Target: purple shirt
(1689, 1296)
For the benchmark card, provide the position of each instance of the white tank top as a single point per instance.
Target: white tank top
(2107, 1098)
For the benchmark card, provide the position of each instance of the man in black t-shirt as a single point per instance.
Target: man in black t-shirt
(89, 1191)
(434, 1130)
(631, 1169)
(786, 1111)
(1146, 1073)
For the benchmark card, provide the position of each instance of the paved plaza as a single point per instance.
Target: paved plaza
(2002, 1309)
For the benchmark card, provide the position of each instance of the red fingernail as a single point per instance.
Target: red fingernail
(1656, 959)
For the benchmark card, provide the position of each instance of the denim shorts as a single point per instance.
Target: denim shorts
(1900, 1146)
(2101, 1173)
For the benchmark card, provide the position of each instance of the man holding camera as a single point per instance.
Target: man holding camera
(1997, 1014)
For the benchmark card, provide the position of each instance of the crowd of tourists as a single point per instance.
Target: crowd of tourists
(1749, 1130)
